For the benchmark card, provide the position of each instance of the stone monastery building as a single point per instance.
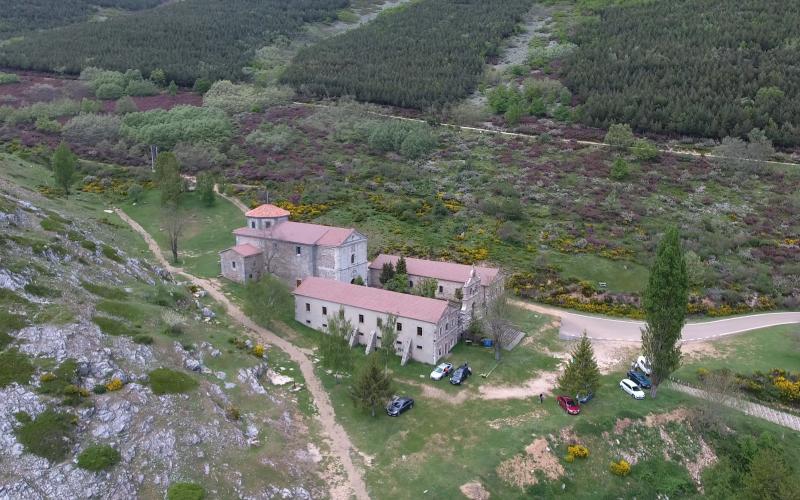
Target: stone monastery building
(323, 263)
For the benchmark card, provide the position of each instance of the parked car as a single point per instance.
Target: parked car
(442, 370)
(568, 404)
(642, 364)
(461, 374)
(584, 398)
(631, 388)
(640, 379)
(398, 405)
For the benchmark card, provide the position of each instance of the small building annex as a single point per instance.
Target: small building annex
(271, 243)
(426, 328)
(474, 287)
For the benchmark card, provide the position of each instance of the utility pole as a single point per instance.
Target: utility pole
(153, 156)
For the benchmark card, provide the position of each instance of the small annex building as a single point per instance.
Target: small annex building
(426, 328)
(474, 287)
(293, 251)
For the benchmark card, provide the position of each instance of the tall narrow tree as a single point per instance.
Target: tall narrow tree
(63, 163)
(581, 376)
(388, 331)
(401, 268)
(497, 324)
(665, 301)
(334, 348)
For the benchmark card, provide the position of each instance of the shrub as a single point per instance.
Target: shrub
(15, 367)
(99, 389)
(143, 339)
(620, 136)
(89, 245)
(49, 435)
(111, 253)
(141, 88)
(6, 78)
(10, 322)
(114, 384)
(185, 491)
(107, 292)
(22, 417)
(110, 326)
(232, 413)
(620, 170)
(126, 310)
(258, 350)
(621, 468)
(42, 291)
(237, 98)
(135, 192)
(275, 139)
(109, 91)
(125, 105)
(98, 457)
(91, 129)
(166, 381)
(166, 128)
(578, 451)
(48, 126)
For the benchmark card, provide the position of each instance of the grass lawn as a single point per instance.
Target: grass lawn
(207, 230)
(759, 350)
(621, 276)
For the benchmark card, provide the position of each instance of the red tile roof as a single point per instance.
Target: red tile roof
(401, 305)
(300, 232)
(267, 211)
(245, 250)
(447, 271)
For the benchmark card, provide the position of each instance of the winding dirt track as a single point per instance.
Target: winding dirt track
(340, 442)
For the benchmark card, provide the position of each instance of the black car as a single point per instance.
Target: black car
(460, 375)
(640, 379)
(584, 398)
(398, 405)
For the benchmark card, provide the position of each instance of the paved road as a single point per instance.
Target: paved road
(604, 328)
(340, 442)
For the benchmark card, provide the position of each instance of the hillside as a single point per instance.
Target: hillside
(82, 310)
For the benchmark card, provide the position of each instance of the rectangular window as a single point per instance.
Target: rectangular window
(297, 250)
(399, 327)
(379, 337)
(360, 318)
(324, 325)
(379, 322)
(410, 283)
(308, 307)
(308, 321)
(253, 224)
(419, 331)
(267, 223)
(324, 310)
(361, 333)
(441, 289)
(419, 346)
(233, 265)
(352, 258)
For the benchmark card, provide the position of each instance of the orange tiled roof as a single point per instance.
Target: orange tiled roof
(267, 211)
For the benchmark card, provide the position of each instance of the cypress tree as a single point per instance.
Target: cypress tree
(401, 268)
(665, 301)
(581, 375)
(387, 273)
(63, 163)
(373, 387)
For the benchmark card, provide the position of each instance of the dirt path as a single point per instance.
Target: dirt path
(340, 442)
(241, 206)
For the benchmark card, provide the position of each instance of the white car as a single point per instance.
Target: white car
(631, 388)
(441, 371)
(643, 364)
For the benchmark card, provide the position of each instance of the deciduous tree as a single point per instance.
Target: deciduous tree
(665, 301)
(334, 349)
(63, 163)
(388, 330)
(205, 188)
(497, 324)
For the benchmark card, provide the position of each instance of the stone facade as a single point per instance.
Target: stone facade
(293, 251)
(241, 266)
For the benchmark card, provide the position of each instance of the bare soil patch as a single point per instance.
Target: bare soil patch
(516, 421)
(543, 384)
(474, 491)
(441, 395)
(657, 419)
(521, 470)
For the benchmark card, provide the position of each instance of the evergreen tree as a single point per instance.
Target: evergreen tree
(172, 89)
(401, 268)
(63, 163)
(387, 273)
(581, 375)
(620, 169)
(665, 301)
(425, 288)
(373, 386)
(334, 349)
(620, 136)
(205, 188)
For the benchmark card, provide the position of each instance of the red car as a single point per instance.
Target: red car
(568, 404)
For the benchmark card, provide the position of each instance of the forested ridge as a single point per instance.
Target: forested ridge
(190, 39)
(20, 16)
(423, 54)
(709, 68)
